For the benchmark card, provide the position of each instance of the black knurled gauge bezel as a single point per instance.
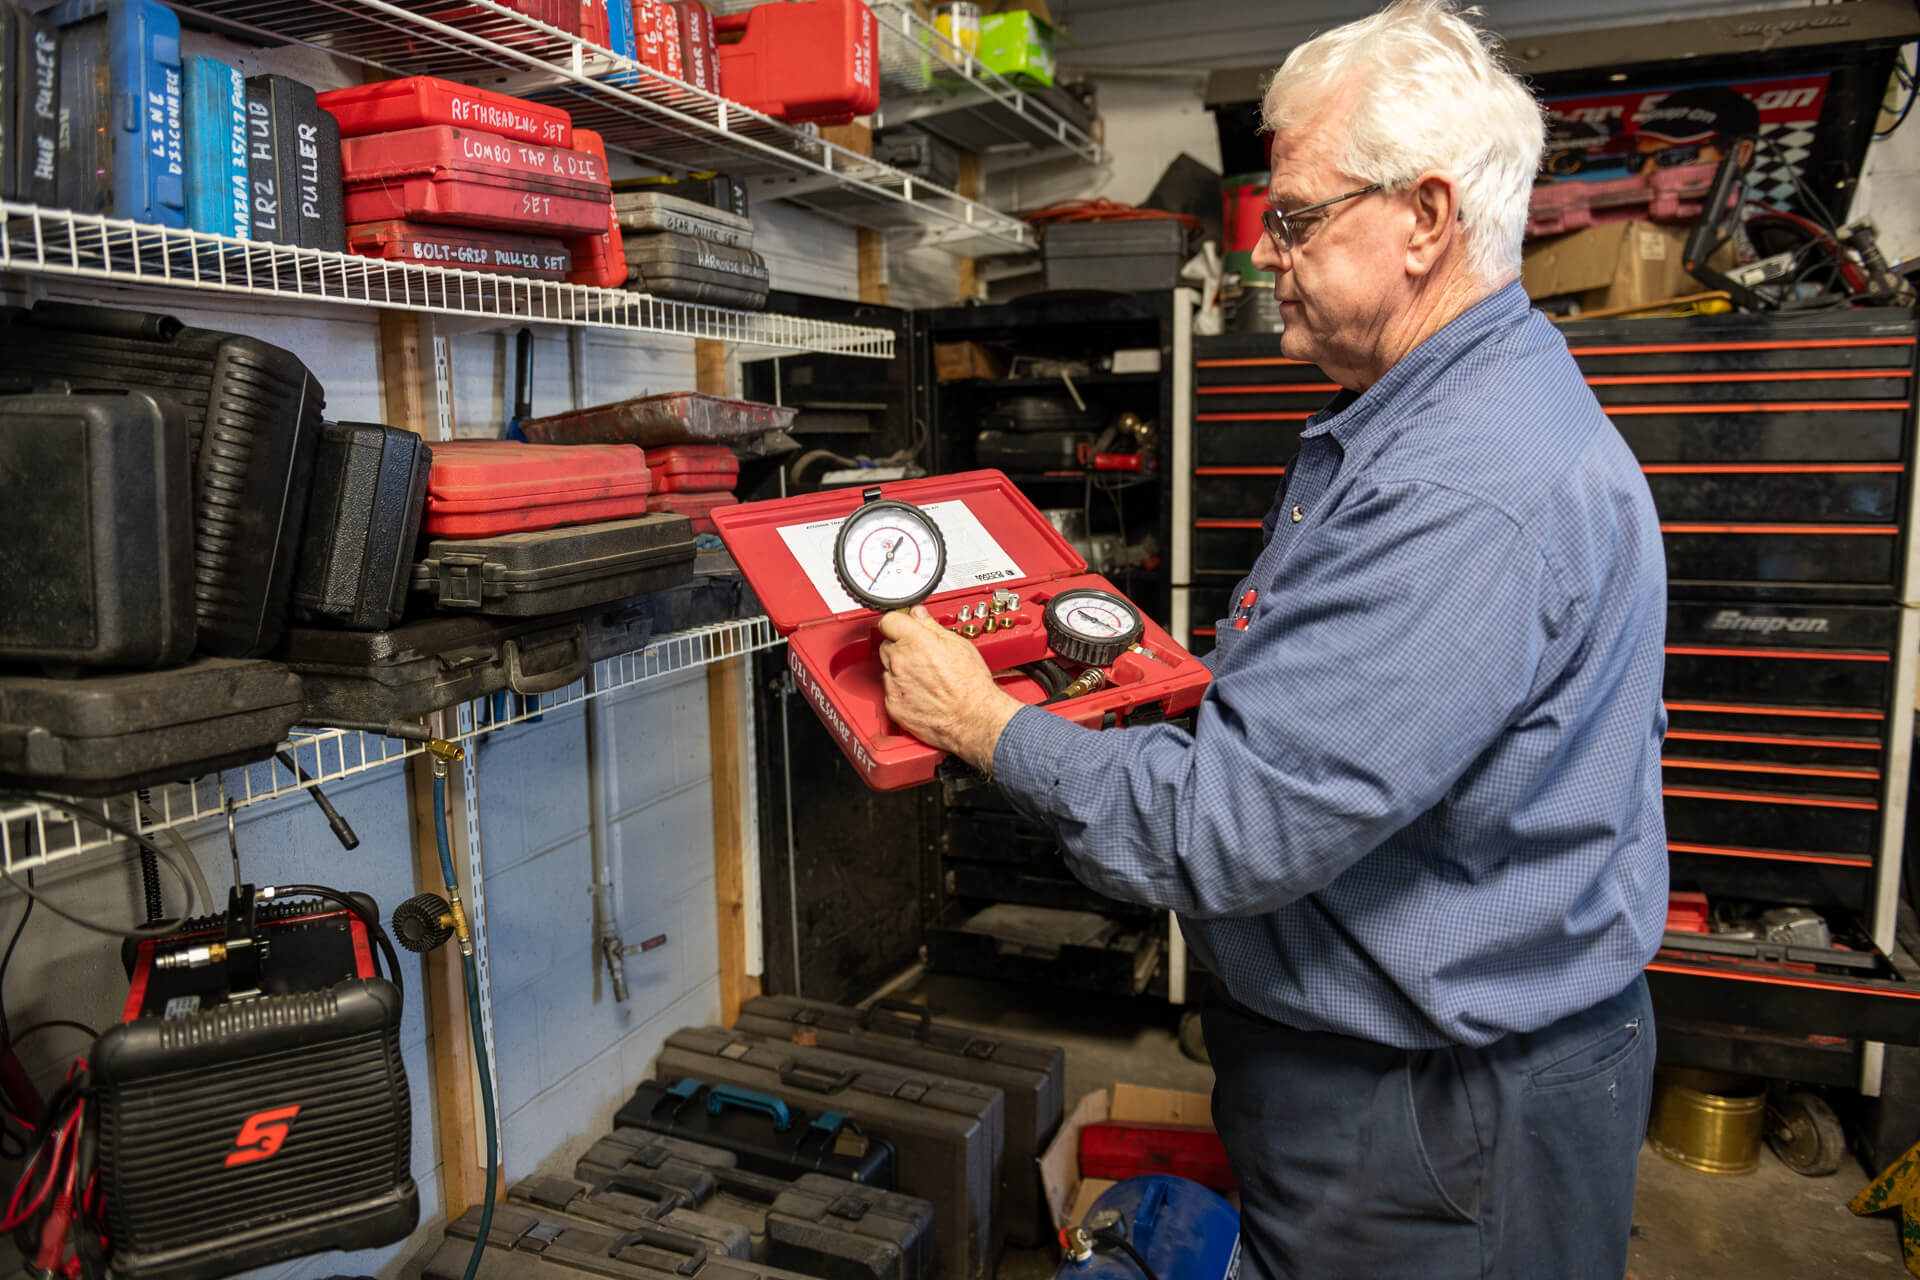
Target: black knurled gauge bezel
(887, 604)
(1093, 653)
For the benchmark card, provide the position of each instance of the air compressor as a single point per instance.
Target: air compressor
(1154, 1228)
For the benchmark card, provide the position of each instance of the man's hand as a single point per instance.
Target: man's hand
(939, 688)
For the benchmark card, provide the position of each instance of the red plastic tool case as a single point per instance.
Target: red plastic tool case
(419, 101)
(598, 260)
(697, 507)
(440, 173)
(656, 37)
(1665, 195)
(699, 56)
(1114, 1150)
(594, 25)
(481, 488)
(817, 60)
(693, 468)
(832, 654)
(504, 252)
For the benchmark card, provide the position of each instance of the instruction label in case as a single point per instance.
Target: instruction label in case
(974, 558)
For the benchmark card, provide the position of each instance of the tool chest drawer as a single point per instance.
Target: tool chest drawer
(1794, 997)
(1777, 448)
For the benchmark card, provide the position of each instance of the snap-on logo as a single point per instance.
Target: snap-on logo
(262, 1135)
(1734, 620)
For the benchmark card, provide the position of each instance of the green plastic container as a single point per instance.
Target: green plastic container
(1017, 45)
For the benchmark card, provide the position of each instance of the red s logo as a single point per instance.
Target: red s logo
(262, 1134)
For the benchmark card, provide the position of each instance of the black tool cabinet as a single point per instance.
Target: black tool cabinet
(1779, 451)
(878, 878)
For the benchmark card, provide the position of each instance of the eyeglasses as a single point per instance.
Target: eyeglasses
(1287, 229)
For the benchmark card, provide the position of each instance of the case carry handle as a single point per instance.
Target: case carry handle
(722, 1096)
(791, 1072)
(672, 1242)
(914, 1013)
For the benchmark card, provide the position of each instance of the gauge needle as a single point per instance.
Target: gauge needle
(884, 563)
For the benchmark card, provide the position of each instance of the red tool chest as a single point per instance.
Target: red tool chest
(480, 488)
(440, 173)
(697, 507)
(693, 468)
(1116, 1150)
(699, 56)
(397, 240)
(419, 101)
(656, 37)
(598, 260)
(816, 60)
(988, 524)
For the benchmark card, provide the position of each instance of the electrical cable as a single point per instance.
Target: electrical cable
(1139, 1260)
(6, 1027)
(1907, 80)
(476, 1024)
(173, 862)
(150, 870)
(50, 1024)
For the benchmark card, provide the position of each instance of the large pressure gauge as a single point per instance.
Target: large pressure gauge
(1094, 627)
(889, 555)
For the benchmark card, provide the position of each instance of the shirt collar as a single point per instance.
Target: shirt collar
(1347, 414)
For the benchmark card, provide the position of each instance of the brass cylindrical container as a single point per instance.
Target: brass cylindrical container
(1708, 1120)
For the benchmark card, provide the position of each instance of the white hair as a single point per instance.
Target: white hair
(1430, 94)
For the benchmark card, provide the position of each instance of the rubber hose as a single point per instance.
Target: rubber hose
(477, 1027)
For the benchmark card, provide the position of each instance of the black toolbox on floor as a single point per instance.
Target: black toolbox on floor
(363, 517)
(253, 420)
(949, 1134)
(628, 1201)
(96, 530)
(1032, 1076)
(535, 1244)
(101, 734)
(371, 677)
(766, 1135)
(549, 571)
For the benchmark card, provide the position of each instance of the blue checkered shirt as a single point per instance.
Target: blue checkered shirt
(1421, 803)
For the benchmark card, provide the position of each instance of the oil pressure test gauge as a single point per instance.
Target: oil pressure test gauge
(1094, 627)
(889, 554)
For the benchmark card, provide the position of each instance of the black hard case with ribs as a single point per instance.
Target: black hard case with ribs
(949, 1133)
(626, 1201)
(363, 517)
(253, 420)
(1032, 1076)
(539, 1244)
(548, 571)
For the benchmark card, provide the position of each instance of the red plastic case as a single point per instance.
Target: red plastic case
(480, 488)
(816, 60)
(700, 508)
(699, 56)
(417, 102)
(656, 37)
(693, 468)
(397, 240)
(598, 260)
(594, 26)
(463, 176)
(832, 654)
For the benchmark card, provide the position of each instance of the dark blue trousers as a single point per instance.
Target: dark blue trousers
(1512, 1161)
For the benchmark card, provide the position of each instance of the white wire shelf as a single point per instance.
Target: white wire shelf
(929, 81)
(663, 122)
(58, 242)
(35, 835)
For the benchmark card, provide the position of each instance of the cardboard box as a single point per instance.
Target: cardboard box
(1018, 45)
(958, 361)
(1617, 264)
(1068, 1194)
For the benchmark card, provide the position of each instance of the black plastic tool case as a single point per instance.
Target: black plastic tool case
(96, 523)
(678, 1162)
(101, 734)
(363, 517)
(949, 1133)
(717, 592)
(669, 264)
(628, 1201)
(551, 570)
(370, 677)
(253, 419)
(796, 1141)
(293, 164)
(1032, 1076)
(539, 1244)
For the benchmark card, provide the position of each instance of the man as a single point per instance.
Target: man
(1416, 831)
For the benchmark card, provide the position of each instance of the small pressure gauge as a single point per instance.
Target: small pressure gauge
(1094, 627)
(889, 555)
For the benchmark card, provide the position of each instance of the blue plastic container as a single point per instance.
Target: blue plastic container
(134, 132)
(1184, 1230)
(216, 123)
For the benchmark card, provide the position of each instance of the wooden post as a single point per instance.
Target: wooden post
(406, 373)
(873, 266)
(726, 685)
(710, 366)
(966, 270)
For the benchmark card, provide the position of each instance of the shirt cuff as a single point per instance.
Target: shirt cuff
(1028, 757)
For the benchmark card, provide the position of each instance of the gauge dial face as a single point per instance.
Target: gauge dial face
(889, 555)
(1095, 615)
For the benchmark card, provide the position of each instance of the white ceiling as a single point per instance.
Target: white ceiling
(1200, 35)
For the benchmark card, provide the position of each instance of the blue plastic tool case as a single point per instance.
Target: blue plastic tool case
(127, 129)
(215, 117)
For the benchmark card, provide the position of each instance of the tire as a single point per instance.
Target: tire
(1805, 1133)
(1193, 1042)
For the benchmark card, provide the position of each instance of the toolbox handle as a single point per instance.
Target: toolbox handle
(790, 1072)
(722, 1096)
(80, 318)
(543, 681)
(746, 1187)
(914, 1012)
(673, 1242)
(664, 1194)
(679, 1094)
